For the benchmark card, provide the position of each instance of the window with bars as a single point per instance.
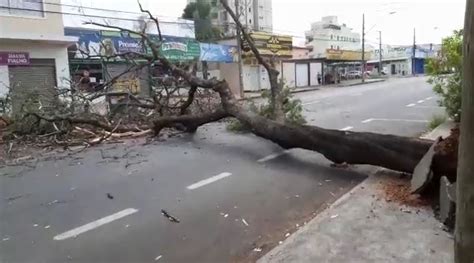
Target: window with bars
(22, 8)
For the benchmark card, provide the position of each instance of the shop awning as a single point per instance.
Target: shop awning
(53, 40)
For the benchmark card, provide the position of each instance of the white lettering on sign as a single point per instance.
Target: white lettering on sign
(174, 46)
(129, 45)
(17, 58)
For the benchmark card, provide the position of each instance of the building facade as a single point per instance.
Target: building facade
(300, 52)
(328, 34)
(33, 49)
(401, 60)
(256, 15)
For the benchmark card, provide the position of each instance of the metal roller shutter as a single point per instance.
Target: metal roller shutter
(35, 83)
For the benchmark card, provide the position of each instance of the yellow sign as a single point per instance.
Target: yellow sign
(348, 55)
(131, 85)
(272, 45)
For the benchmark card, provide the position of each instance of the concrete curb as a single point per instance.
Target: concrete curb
(360, 83)
(329, 212)
(370, 230)
(442, 130)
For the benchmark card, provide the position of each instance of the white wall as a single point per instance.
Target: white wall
(251, 78)
(314, 69)
(44, 51)
(289, 74)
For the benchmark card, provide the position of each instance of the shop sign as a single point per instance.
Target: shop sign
(120, 42)
(179, 48)
(218, 53)
(88, 44)
(14, 58)
(347, 55)
(272, 45)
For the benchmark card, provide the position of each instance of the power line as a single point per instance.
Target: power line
(101, 9)
(84, 15)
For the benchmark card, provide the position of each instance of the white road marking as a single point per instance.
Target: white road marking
(367, 121)
(310, 102)
(411, 105)
(347, 128)
(272, 156)
(158, 257)
(383, 119)
(420, 101)
(87, 227)
(429, 98)
(245, 222)
(428, 107)
(209, 180)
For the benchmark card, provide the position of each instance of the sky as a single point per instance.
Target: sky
(396, 19)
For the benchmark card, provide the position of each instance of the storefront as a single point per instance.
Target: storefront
(274, 49)
(338, 65)
(298, 73)
(99, 56)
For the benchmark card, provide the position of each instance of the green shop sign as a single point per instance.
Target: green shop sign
(180, 49)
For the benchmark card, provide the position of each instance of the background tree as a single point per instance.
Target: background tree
(205, 31)
(445, 72)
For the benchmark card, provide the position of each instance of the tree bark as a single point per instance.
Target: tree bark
(205, 70)
(389, 151)
(464, 232)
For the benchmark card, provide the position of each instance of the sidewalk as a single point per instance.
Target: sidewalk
(363, 226)
(377, 221)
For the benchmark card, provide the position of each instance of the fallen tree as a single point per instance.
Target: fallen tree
(389, 151)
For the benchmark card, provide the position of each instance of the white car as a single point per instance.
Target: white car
(354, 74)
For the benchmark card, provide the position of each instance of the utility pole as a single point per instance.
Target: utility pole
(413, 72)
(239, 49)
(380, 53)
(363, 48)
(464, 233)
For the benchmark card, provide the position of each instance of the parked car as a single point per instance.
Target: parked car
(354, 74)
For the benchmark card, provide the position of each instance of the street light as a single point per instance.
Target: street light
(363, 45)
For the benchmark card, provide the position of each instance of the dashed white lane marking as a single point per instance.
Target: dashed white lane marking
(310, 102)
(428, 107)
(87, 227)
(411, 105)
(209, 180)
(429, 98)
(347, 128)
(402, 120)
(272, 156)
(420, 101)
(367, 121)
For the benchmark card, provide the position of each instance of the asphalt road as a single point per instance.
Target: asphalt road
(235, 195)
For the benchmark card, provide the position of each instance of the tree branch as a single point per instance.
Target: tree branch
(157, 23)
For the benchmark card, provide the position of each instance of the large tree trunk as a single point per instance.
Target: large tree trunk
(390, 151)
(464, 241)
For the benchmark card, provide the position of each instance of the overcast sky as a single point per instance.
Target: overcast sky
(433, 19)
